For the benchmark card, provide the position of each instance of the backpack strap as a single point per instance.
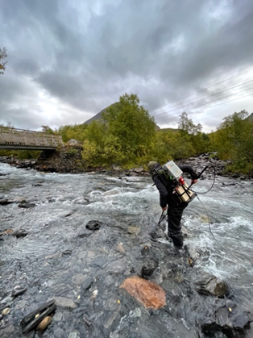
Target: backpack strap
(168, 181)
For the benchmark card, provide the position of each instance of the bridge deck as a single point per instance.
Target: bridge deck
(11, 138)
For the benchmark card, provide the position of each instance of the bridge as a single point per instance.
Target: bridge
(21, 139)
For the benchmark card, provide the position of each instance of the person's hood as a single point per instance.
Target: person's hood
(152, 165)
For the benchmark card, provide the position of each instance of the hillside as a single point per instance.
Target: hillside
(98, 116)
(250, 117)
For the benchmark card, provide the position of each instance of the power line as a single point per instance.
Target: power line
(165, 114)
(214, 84)
(204, 98)
(238, 98)
(208, 103)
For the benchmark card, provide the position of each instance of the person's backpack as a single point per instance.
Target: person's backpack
(168, 180)
(180, 192)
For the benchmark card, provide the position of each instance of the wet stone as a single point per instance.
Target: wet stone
(7, 300)
(6, 232)
(44, 323)
(145, 250)
(148, 268)
(6, 331)
(53, 256)
(93, 225)
(150, 294)
(232, 321)
(111, 318)
(67, 252)
(73, 335)
(17, 291)
(65, 302)
(85, 234)
(91, 254)
(87, 321)
(6, 311)
(19, 233)
(134, 230)
(109, 280)
(118, 266)
(240, 321)
(86, 284)
(99, 262)
(120, 248)
(211, 285)
(111, 304)
(66, 213)
(58, 317)
(21, 304)
(5, 201)
(78, 279)
(59, 333)
(26, 205)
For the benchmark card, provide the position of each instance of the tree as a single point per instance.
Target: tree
(3, 55)
(73, 132)
(47, 130)
(91, 154)
(95, 133)
(186, 125)
(112, 150)
(132, 127)
(93, 145)
(234, 140)
(172, 146)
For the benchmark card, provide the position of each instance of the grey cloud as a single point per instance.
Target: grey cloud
(22, 118)
(89, 53)
(226, 48)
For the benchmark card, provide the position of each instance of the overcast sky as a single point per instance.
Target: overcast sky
(68, 60)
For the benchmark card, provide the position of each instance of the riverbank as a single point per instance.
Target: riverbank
(69, 160)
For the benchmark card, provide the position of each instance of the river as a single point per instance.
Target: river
(57, 258)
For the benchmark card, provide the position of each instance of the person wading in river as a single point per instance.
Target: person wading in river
(166, 186)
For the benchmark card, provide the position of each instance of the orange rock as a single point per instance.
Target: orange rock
(9, 231)
(44, 323)
(150, 294)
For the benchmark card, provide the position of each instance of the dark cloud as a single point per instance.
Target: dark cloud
(75, 58)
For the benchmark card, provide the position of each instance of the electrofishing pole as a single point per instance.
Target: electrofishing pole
(214, 177)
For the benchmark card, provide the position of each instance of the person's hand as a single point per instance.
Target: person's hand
(194, 181)
(164, 208)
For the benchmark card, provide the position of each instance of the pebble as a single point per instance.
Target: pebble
(6, 311)
(58, 316)
(6, 300)
(59, 333)
(73, 335)
(17, 291)
(44, 323)
(78, 279)
(94, 294)
(65, 302)
(86, 284)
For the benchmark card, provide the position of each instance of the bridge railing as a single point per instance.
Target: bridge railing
(13, 136)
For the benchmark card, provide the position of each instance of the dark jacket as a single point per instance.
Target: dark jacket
(166, 187)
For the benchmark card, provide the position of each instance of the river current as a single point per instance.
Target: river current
(55, 260)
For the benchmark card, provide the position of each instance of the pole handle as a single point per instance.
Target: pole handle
(202, 171)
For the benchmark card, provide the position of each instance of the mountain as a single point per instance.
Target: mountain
(98, 116)
(250, 117)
